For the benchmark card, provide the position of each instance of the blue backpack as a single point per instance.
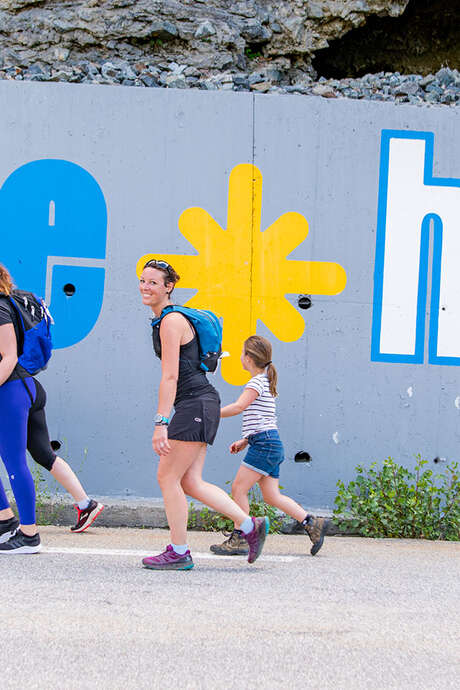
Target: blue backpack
(35, 321)
(208, 332)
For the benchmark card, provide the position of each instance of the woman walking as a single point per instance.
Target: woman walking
(23, 425)
(265, 455)
(181, 442)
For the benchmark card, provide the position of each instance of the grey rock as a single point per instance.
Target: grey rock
(351, 93)
(241, 81)
(435, 89)
(223, 61)
(261, 87)
(209, 85)
(35, 69)
(314, 10)
(205, 29)
(406, 89)
(61, 75)
(176, 81)
(254, 32)
(255, 77)
(226, 78)
(149, 80)
(275, 26)
(448, 97)
(61, 54)
(324, 90)
(298, 88)
(425, 81)
(445, 76)
(271, 74)
(162, 30)
(109, 70)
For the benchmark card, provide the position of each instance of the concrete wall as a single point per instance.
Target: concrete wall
(95, 178)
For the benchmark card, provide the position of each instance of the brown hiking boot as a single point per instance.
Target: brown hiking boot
(316, 529)
(235, 545)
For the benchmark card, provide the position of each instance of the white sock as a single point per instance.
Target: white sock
(246, 526)
(84, 503)
(180, 549)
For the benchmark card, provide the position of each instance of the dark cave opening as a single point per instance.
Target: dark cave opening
(423, 39)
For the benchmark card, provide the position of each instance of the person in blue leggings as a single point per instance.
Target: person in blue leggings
(15, 403)
(12, 407)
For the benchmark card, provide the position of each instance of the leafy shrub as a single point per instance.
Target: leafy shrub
(252, 54)
(395, 502)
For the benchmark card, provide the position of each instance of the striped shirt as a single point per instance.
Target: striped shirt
(260, 415)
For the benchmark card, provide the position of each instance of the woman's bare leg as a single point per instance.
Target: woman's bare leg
(171, 470)
(271, 494)
(194, 485)
(64, 474)
(6, 514)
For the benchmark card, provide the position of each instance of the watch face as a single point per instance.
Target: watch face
(158, 418)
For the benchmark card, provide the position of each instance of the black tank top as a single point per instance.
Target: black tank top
(8, 315)
(192, 380)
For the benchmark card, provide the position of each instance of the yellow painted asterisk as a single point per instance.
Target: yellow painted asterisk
(242, 274)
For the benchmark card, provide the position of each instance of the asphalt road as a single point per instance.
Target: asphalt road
(363, 613)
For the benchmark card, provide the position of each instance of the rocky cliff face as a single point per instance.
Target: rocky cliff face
(206, 34)
(258, 45)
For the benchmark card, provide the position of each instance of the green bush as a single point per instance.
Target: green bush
(395, 502)
(252, 54)
(209, 521)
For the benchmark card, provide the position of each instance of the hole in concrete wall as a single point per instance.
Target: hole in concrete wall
(302, 456)
(55, 445)
(423, 39)
(69, 289)
(304, 301)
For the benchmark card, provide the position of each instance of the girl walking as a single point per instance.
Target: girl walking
(23, 426)
(181, 442)
(262, 461)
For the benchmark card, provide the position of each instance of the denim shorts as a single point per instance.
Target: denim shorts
(265, 454)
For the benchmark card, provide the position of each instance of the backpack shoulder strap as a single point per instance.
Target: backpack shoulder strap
(22, 328)
(17, 310)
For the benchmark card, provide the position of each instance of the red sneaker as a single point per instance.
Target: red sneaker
(87, 516)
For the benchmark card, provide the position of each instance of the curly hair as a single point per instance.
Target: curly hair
(6, 283)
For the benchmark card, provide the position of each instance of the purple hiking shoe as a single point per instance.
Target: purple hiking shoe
(169, 560)
(256, 538)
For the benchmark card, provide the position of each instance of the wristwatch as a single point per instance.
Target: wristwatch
(160, 420)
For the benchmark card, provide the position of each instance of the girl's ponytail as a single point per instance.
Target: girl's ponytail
(260, 351)
(272, 375)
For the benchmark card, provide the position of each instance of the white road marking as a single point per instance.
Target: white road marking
(141, 554)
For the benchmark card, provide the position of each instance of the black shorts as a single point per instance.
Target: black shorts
(38, 440)
(196, 418)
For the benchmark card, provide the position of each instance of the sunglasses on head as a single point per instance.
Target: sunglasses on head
(153, 263)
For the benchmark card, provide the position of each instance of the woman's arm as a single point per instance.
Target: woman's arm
(171, 331)
(246, 398)
(8, 351)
